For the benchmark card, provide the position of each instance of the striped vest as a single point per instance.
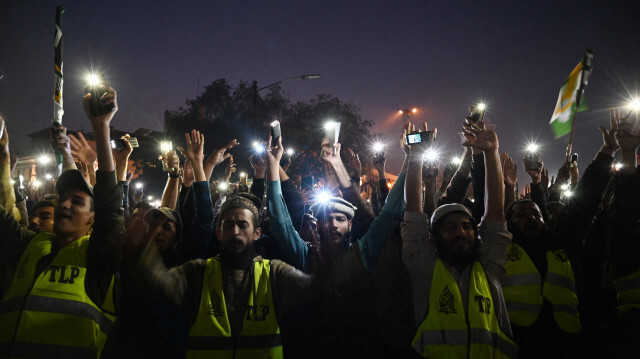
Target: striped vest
(453, 330)
(210, 335)
(524, 291)
(51, 315)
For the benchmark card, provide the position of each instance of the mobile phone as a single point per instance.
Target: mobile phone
(275, 132)
(477, 114)
(118, 143)
(96, 106)
(332, 133)
(534, 161)
(420, 137)
(306, 182)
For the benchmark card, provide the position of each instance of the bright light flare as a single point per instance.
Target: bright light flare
(291, 151)
(44, 159)
(258, 147)
(414, 110)
(12, 181)
(431, 155)
(567, 194)
(634, 105)
(36, 183)
(533, 147)
(150, 198)
(481, 106)
(166, 146)
(139, 185)
(93, 80)
(48, 176)
(456, 160)
(324, 197)
(618, 166)
(565, 187)
(156, 204)
(243, 175)
(329, 125)
(378, 147)
(223, 186)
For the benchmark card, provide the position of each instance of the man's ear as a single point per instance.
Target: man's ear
(92, 219)
(257, 233)
(350, 222)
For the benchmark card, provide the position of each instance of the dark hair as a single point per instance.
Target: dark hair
(509, 213)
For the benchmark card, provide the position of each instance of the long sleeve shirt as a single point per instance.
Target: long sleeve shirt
(298, 252)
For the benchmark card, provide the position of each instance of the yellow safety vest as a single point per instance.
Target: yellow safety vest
(210, 335)
(51, 315)
(451, 330)
(628, 289)
(524, 291)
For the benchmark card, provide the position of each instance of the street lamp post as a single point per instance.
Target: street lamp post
(256, 90)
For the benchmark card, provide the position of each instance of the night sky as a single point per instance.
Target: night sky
(438, 56)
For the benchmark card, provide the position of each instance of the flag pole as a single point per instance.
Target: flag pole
(58, 109)
(573, 127)
(587, 68)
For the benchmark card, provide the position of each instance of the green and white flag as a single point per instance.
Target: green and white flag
(571, 96)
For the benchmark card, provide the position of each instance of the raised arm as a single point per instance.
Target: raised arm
(172, 188)
(104, 253)
(487, 142)
(282, 229)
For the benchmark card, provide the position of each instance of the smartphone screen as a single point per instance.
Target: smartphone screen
(275, 132)
(414, 138)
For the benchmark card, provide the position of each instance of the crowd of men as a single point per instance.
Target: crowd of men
(275, 270)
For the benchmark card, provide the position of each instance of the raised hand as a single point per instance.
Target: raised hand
(218, 156)
(274, 153)
(109, 99)
(195, 147)
(478, 137)
(4, 146)
(81, 149)
(258, 165)
(328, 155)
(509, 170)
(535, 174)
(353, 164)
(230, 169)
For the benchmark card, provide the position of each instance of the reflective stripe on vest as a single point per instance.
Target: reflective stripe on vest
(52, 311)
(210, 335)
(628, 292)
(521, 287)
(560, 289)
(524, 298)
(450, 332)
